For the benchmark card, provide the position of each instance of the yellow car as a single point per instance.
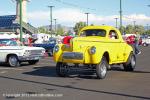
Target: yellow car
(96, 48)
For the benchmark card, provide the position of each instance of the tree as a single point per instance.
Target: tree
(60, 30)
(122, 29)
(129, 29)
(140, 29)
(43, 30)
(79, 26)
(147, 32)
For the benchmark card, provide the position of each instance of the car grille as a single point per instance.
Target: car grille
(35, 52)
(72, 55)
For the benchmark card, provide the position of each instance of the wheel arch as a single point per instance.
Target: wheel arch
(9, 56)
(106, 55)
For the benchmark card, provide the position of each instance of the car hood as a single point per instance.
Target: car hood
(83, 43)
(21, 48)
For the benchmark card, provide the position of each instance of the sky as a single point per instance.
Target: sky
(69, 12)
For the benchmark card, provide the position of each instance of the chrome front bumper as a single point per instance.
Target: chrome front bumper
(72, 55)
(26, 58)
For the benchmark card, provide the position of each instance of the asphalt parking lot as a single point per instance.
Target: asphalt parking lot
(40, 82)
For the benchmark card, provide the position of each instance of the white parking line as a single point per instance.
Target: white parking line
(2, 72)
(11, 69)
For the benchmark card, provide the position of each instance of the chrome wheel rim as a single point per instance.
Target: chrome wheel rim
(133, 61)
(103, 69)
(13, 60)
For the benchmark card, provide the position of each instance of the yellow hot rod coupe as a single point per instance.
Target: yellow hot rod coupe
(96, 48)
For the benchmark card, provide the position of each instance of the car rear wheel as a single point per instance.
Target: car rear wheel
(101, 68)
(61, 69)
(13, 61)
(131, 63)
(145, 44)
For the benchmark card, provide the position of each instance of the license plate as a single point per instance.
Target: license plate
(36, 58)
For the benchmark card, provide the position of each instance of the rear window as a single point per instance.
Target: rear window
(94, 32)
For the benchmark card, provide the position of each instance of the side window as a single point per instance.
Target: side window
(113, 34)
(83, 34)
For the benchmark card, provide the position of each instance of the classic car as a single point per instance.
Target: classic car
(48, 45)
(13, 54)
(96, 48)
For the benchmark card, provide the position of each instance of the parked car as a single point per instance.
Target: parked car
(96, 48)
(13, 54)
(48, 45)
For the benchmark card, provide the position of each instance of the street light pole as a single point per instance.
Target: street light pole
(116, 22)
(51, 17)
(20, 21)
(55, 24)
(121, 16)
(87, 18)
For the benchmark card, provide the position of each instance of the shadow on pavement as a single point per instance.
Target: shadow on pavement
(49, 71)
(7, 65)
(135, 71)
(46, 71)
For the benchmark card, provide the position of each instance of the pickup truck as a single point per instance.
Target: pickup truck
(96, 48)
(48, 46)
(13, 54)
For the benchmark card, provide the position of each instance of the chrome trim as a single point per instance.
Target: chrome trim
(26, 58)
(72, 55)
(33, 53)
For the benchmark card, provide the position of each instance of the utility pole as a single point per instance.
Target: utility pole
(55, 25)
(51, 18)
(116, 22)
(20, 21)
(147, 27)
(134, 25)
(121, 16)
(87, 19)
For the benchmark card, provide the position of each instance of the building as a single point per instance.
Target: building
(10, 23)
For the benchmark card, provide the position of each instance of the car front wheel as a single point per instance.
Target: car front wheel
(61, 69)
(101, 68)
(13, 61)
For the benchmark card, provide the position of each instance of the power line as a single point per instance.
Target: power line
(74, 5)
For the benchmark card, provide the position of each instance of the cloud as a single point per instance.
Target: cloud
(69, 17)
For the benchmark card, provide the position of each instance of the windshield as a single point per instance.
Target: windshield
(8, 42)
(94, 32)
(50, 42)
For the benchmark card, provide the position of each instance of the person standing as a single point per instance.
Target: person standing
(136, 44)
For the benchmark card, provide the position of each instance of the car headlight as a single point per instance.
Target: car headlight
(56, 48)
(27, 52)
(43, 51)
(92, 50)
